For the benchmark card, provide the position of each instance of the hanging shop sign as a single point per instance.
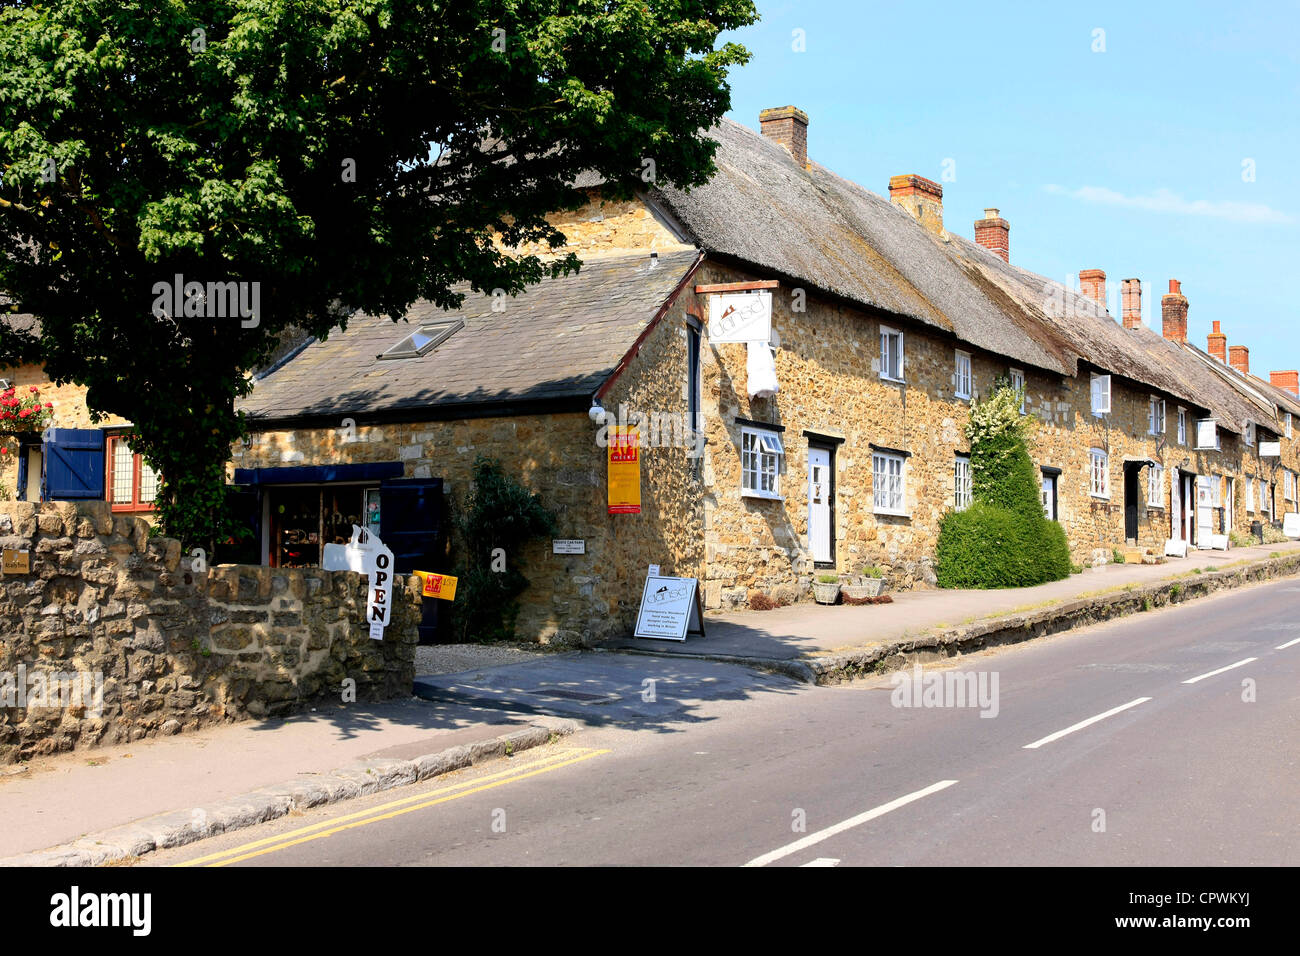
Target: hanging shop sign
(670, 608)
(740, 317)
(1270, 449)
(624, 474)
(378, 565)
(438, 585)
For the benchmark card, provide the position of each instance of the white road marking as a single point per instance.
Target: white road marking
(1221, 670)
(1084, 723)
(1282, 647)
(814, 838)
(824, 861)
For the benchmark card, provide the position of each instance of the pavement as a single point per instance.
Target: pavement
(471, 704)
(805, 630)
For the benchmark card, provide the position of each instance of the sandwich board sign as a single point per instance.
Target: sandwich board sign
(670, 608)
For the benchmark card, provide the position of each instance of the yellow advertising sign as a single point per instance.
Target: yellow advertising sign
(624, 471)
(438, 585)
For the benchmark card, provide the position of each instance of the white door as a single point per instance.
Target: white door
(1049, 496)
(1227, 505)
(1204, 511)
(819, 504)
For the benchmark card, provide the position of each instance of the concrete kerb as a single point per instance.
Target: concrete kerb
(886, 656)
(1067, 615)
(180, 827)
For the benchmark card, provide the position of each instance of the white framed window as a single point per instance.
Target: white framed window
(891, 354)
(1248, 434)
(761, 452)
(1263, 496)
(1250, 493)
(1207, 433)
(887, 483)
(1288, 486)
(1216, 491)
(1100, 395)
(1099, 474)
(1182, 426)
(1018, 383)
(1155, 486)
(961, 492)
(1156, 416)
(961, 376)
(1288, 424)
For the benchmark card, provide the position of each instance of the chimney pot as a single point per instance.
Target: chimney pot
(1092, 283)
(921, 197)
(1216, 343)
(1289, 380)
(1173, 309)
(993, 233)
(1239, 358)
(1131, 303)
(787, 125)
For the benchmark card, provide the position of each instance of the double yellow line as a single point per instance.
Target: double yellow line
(554, 761)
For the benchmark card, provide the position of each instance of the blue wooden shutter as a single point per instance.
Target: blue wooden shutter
(74, 464)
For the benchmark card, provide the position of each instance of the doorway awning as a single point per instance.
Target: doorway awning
(318, 474)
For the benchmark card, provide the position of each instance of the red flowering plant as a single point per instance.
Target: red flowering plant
(22, 412)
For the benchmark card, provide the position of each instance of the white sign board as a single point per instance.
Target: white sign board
(1270, 449)
(1291, 524)
(568, 546)
(740, 317)
(377, 563)
(670, 608)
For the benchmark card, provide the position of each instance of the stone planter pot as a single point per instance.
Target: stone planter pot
(826, 593)
(870, 587)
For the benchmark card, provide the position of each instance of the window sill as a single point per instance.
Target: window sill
(891, 513)
(896, 381)
(759, 496)
(1093, 494)
(137, 509)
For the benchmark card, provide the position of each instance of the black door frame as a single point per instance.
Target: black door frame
(1132, 499)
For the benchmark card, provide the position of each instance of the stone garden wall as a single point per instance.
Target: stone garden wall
(114, 636)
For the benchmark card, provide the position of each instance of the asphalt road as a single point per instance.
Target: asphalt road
(1169, 759)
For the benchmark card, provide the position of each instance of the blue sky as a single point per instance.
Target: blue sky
(1128, 160)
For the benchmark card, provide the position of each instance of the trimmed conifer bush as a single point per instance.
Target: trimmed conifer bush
(1002, 540)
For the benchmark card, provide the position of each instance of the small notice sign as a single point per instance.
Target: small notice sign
(17, 562)
(568, 546)
(438, 585)
(670, 609)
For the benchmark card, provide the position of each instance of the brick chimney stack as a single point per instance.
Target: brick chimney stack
(994, 234)
(1092, 283)
(787, 125)
(1173, 313)
(921, 197)
(1131, 302)
(1289, 380)
(1216, 343)
(1239, 358)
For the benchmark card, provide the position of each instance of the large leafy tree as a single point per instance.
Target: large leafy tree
(338, 154)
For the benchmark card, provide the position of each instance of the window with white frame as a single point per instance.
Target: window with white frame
(1100, 385)
(1248, 435)
(1207, 433)
(961, 483)
(1288, 486)
(1182, 426)
(1155, 486)
(887, 483)
(962, 375)
(1156, 416)
(1018, 383)
(1250, 493)
(1216, 491)
(761, 452)
(1263, 496)
(1099, 474)
(1288, 424)
(891, 353)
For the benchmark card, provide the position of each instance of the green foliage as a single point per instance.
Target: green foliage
(499, 518)
(828, 578)
(1116, 556)
(1003, 539)
(1242, 539)
(872, 571)
(335, 155)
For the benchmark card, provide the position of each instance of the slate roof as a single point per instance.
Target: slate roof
(557, 341)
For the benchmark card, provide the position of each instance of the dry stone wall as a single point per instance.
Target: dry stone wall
(159, 646)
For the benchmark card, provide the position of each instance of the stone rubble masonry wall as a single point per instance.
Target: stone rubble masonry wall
(178, 649)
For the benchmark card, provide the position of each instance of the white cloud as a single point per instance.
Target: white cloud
(1164, 200)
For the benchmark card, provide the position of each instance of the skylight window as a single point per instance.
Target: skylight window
(423, 340)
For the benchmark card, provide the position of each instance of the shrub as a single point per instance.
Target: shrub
(1002, 540)
(758, 601)
(829, 578)
(1116, 556)
(872, 571)
(1241, 539)
(1273, 536)
(500, 517)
